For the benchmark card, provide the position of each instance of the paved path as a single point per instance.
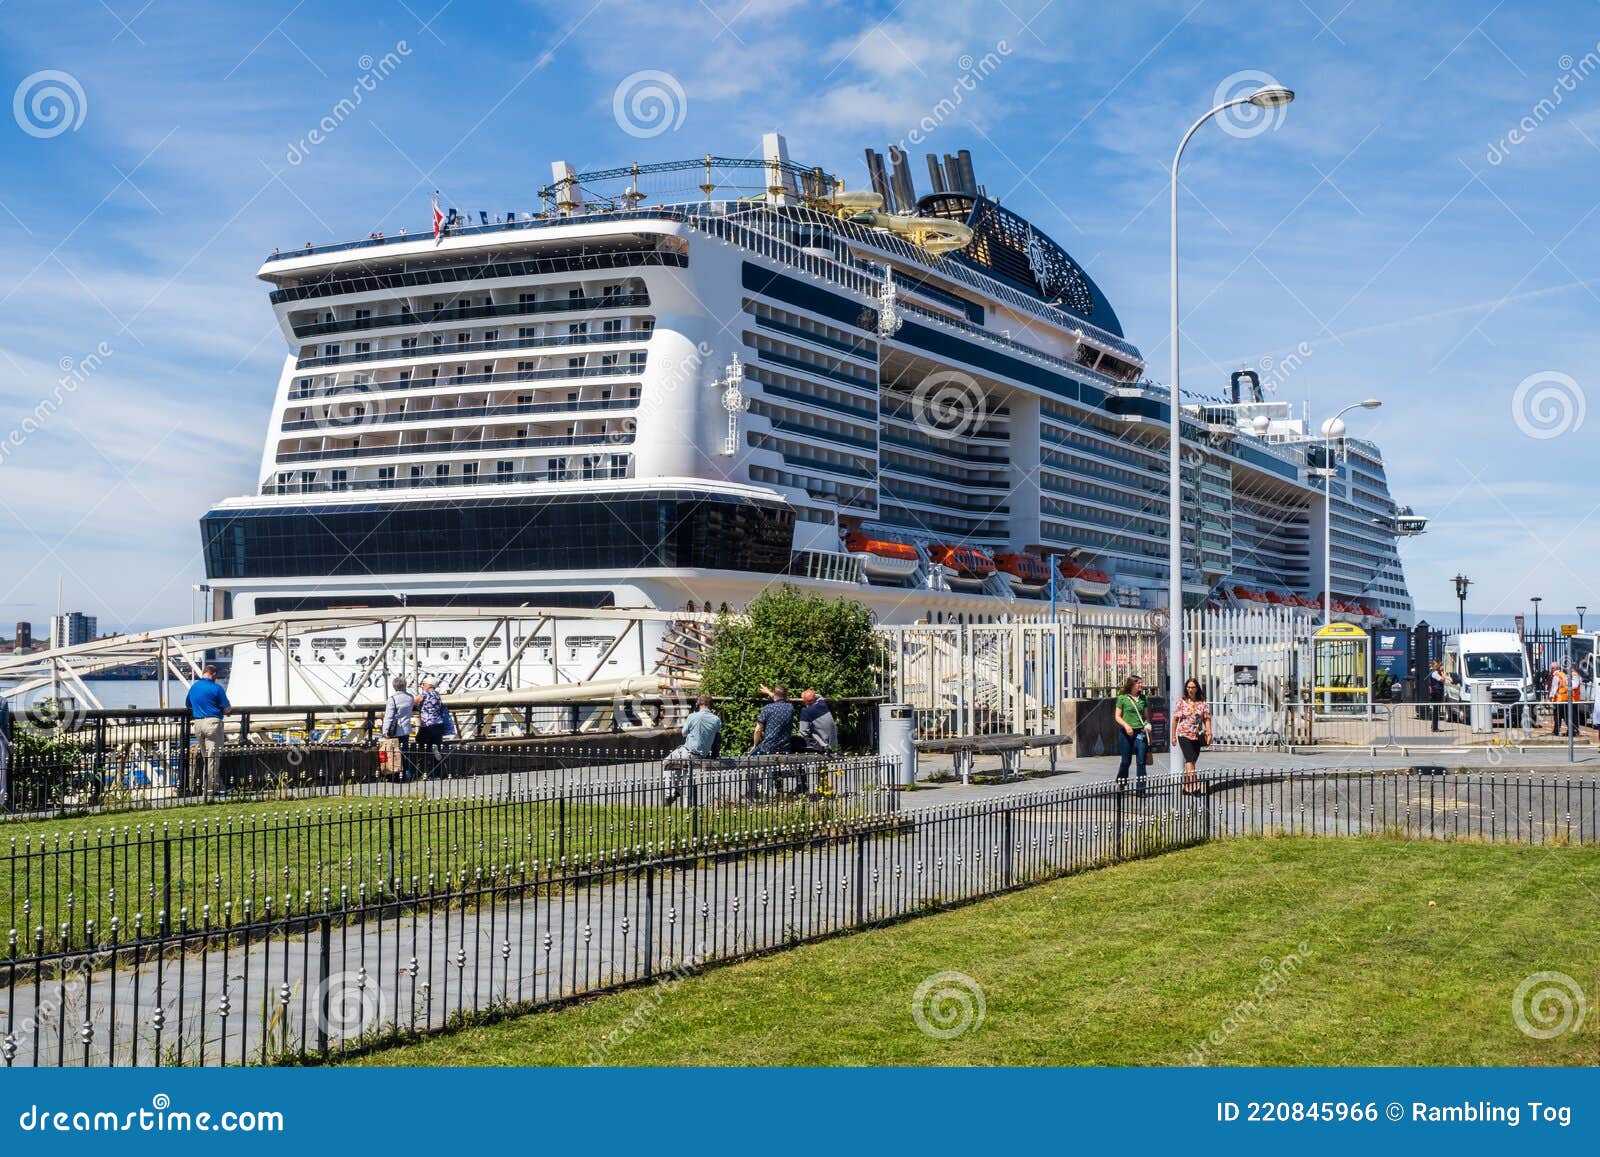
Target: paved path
(1097, 769)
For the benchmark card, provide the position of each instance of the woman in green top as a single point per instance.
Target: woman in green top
(1132, 741)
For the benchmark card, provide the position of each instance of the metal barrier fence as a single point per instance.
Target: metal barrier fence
(65, 780)
(1405, 725)
(353, 970)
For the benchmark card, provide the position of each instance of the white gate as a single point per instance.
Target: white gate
(1251, 663)
(1011, 678)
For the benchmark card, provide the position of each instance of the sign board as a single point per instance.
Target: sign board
(1522, 624)
(1156, 731)
(1341, 631)
(1569, 629)
(1246, 676)
(1390, 653)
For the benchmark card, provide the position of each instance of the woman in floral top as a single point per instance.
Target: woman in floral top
(433, 722)
(1192, 722)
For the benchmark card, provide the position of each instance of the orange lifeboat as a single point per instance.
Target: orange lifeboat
(1024, 571)
(1089, 581)
(882, 558)
(966, 563)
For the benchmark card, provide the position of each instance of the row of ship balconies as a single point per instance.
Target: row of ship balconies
(472, 343)
(589, 467)
(360, 386)
(439, 312)
(576, 432)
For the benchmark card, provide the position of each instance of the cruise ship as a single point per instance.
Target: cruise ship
(671, 385)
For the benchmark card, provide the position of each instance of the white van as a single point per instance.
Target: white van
(1494, 658)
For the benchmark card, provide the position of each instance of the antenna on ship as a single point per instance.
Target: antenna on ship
(632, 197)
(708, 188)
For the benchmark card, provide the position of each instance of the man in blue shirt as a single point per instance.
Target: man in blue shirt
(774, 724)
(702, 731)
(208, 703)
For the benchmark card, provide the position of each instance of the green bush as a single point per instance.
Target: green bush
(797, 640)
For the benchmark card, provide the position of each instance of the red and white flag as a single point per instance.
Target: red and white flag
(438, 219)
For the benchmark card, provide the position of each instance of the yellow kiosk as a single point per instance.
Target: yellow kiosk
(1342, 662)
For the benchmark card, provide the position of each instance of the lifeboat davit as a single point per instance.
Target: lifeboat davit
(1090, 582)
(1025, 572)
(881, 558)
(964, 565)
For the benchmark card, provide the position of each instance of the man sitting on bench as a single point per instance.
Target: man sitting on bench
(818, 732)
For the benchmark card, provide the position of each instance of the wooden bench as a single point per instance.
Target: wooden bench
(1009, 748)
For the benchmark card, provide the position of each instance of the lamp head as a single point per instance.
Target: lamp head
(1271, 96)
(1371, 404)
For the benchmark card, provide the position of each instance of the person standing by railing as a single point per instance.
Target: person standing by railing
(208, 703)
(1132, 736)
(433, 721)
(397, 725)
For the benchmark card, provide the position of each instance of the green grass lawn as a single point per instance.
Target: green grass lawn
(118, 864)
(1294, 951)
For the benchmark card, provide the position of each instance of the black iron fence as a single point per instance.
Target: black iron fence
(68, 760)
(145, 881)
(354, 963)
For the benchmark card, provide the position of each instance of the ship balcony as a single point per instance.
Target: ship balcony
(948, 449)
(342, 424)
(456, 445)
(828, 372)
(444, 351)
(586, 306)
(456, 481)
(304, 390)
(956, 428)
(892, 465)
(935, 504)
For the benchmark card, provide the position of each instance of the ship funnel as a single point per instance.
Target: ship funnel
(900, 180)
(969, 181)
(880, 180)
(1246, 386)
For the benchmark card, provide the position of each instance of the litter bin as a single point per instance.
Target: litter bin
(897, 740)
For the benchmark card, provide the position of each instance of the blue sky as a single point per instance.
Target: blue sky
(1389, 226)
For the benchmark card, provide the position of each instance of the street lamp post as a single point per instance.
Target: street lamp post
(1581, 609)
(1331, 429)
(1462, 583)
(1536, 600)
(1266, 97)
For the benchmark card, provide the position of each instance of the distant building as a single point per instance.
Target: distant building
(24, 638)
(72, 628)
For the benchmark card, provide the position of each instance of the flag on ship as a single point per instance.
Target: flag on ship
(438, 220)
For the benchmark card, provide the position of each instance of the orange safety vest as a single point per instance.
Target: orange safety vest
(1558, 686)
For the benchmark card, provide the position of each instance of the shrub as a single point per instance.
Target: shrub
(797, 640)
